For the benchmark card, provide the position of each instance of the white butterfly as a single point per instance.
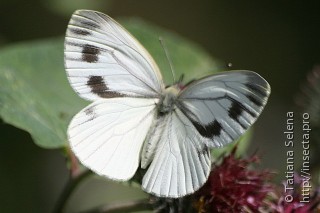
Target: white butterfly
(134, 118)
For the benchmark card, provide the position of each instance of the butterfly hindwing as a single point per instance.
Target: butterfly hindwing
(223, 106)
(107, 135)
(103, 60)
(180, 163)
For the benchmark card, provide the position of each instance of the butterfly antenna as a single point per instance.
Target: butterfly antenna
(168, 58)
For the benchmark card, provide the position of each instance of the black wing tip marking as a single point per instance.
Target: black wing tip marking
(261, 93)
(255, 100)
(90, 24)
(80, 32)
(258, 89)
(90, 53)
(86, 20)
(214, 128)
(100, 88)
(209, 130)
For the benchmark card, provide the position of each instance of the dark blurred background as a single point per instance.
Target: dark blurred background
(277, 39)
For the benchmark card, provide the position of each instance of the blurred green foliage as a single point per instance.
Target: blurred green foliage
(67, 7)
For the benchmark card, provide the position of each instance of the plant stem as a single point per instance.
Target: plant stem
(68, 189)
(128, 206)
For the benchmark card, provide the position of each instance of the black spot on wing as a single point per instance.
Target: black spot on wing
(235, 111)
(97, 84)
(90, 112)
(237, 108)
(80, 31)
(203, 151)
(90, 53)
(209, 130)
(100, 88)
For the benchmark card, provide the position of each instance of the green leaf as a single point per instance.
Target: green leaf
(36, 96)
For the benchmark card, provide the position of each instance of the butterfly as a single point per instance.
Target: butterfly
(135, 121)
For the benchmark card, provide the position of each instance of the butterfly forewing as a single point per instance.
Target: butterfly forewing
(104, 61)
(222, 107)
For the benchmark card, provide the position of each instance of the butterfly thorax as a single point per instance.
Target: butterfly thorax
(167, 102)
